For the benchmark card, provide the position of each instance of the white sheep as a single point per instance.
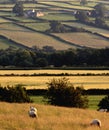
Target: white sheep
(33, 112)
(96, 122)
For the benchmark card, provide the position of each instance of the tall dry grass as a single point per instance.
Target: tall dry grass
(15, 117)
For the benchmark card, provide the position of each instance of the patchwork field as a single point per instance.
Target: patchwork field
(84, 39)
(53, 10)
(39, 82)
(30, 38)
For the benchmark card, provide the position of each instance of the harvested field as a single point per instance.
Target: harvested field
(40, 81)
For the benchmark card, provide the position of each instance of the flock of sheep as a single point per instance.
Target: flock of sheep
(33, 113)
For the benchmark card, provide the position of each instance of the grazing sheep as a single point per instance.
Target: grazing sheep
(33, 112)
(96, 122)
(102, 110)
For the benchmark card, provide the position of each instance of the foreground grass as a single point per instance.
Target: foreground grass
(15, 117)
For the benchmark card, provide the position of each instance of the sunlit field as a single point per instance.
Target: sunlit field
(41, 81)
(49, 71)
(15, 117)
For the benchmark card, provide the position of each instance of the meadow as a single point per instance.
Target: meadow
(15, 117)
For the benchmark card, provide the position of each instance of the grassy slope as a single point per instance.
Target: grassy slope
(85, 39)
(15, 117)
(31, 38)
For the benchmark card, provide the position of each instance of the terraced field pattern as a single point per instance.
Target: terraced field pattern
(29, 32)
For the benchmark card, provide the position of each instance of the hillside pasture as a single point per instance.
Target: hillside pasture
(38, 26)
(65, 5)
(31, 38)
(2, 20)
(89, 28)
(84, 39)
(49, 118)
(58, 16)
(5, 43)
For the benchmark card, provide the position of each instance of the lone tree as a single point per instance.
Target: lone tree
(57, 27)
(83, 2)
(62, 93)
(82, 16)
(18, 9)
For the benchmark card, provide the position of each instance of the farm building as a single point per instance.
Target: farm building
(33, 13)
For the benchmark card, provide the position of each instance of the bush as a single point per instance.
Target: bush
(104, 103)
(14, 94)
(62, 93)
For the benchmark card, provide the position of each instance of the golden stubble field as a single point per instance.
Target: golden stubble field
(15, 117)
(40, 81)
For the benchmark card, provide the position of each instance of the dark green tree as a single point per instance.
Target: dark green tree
(100, 22)
(56, 26)
(104, 103)
(62, 93)
(23, 58)
(18, 9)
(100, 10)
(82, 16)
(83, 2)
(14, 94)
(41, 62)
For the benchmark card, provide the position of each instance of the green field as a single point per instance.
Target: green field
(93, 100)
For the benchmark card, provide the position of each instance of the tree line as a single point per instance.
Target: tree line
(49, 57)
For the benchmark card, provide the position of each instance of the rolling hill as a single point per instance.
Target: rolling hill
(25, 32)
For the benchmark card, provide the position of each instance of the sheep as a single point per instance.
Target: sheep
(33, 112)
(96, 122)
(102, 110)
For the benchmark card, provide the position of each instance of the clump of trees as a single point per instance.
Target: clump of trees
(99, 12)
(58, 27)
(62, 93)
(82, 16)
(18, 9)
(14, 94)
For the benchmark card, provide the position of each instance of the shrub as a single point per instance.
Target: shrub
(62, 93)
(14, 94)
(104, 103)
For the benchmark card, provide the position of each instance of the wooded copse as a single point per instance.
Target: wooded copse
(47, 58)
